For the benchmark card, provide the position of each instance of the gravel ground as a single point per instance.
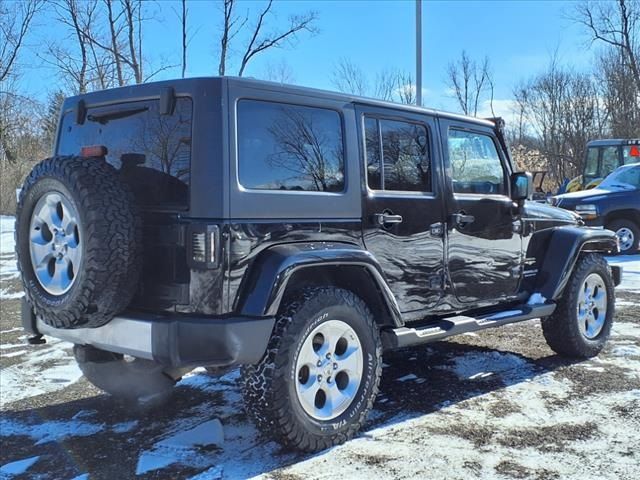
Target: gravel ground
(497, 404)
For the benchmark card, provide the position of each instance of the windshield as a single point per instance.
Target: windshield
(627, 178)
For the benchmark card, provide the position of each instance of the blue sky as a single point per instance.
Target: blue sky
(519, 38)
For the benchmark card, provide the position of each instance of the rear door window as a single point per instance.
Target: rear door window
(404, 164)
(151, 151)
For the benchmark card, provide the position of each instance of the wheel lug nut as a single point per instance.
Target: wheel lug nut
(319, 364)
(328, 356)
(319, 378)
(329, 380)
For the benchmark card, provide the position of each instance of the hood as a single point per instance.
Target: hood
(542, 211)
(570, 200)
(593, 194)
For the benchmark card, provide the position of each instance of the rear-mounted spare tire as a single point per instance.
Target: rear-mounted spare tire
(78, 238)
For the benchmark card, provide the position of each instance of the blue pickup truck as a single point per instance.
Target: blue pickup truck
(614, 205)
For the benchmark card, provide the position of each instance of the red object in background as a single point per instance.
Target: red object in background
(635, 151)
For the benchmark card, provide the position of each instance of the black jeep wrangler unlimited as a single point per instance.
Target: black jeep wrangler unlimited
(298, 233)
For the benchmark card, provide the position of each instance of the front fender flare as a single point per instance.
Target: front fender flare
(564, 247)
(266, 280)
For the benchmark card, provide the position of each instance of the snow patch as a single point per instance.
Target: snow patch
(124, 427)
(49, 431)
(630, 271)
(181, 448)
(47, 368)
(626, 329)
(626, 351)
(18, 467)
(476, 365)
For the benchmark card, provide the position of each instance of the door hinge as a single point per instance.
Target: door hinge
(436, 229)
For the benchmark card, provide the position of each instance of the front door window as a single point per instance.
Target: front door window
(475, 164)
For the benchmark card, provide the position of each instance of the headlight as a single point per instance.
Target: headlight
(587, 211)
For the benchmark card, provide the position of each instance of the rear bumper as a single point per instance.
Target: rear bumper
(175, 341)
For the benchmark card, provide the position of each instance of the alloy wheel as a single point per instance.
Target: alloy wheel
(329, 370)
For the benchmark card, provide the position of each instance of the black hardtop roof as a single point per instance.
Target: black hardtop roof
(151, 90)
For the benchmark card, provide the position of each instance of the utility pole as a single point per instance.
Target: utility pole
(419, 52)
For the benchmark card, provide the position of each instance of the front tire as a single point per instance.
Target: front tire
(319, 377)
(628, 234)
(581, 324)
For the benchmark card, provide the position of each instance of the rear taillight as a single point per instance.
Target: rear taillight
(204, 245)
(93, 151)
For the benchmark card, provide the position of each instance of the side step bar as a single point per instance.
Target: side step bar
(448, 327)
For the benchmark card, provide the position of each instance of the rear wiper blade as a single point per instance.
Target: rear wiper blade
(104, 118)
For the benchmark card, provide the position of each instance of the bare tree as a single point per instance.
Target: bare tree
(386, 85)
(124, 44)
(389, 84)
(114, 33)
(620, 95)
(469, 82)
(564, 112)
(73, 57)
(15, 20)
(406, 88)
(280, 72)
(347, 77)
(258, 41)
(616, 24)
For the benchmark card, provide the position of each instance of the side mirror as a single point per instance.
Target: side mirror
(521, 186)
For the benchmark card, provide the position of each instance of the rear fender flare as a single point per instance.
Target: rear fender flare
(266, 281)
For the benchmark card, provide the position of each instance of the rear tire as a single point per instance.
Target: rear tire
(628, 234)
(581, 323)
(130, 380)
(319, 377)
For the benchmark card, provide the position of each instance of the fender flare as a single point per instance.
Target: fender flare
(562, 252)
(265, 282)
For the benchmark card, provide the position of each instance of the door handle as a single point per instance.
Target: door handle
(461, 219)
(386, 219)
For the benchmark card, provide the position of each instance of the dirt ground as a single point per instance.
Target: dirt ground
(498, 404)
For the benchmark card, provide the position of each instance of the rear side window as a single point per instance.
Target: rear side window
(289, 147)
(152, 151)
(475, 163)
(397, 156)
(591, 165)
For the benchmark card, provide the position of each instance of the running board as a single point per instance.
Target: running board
(448, 327)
